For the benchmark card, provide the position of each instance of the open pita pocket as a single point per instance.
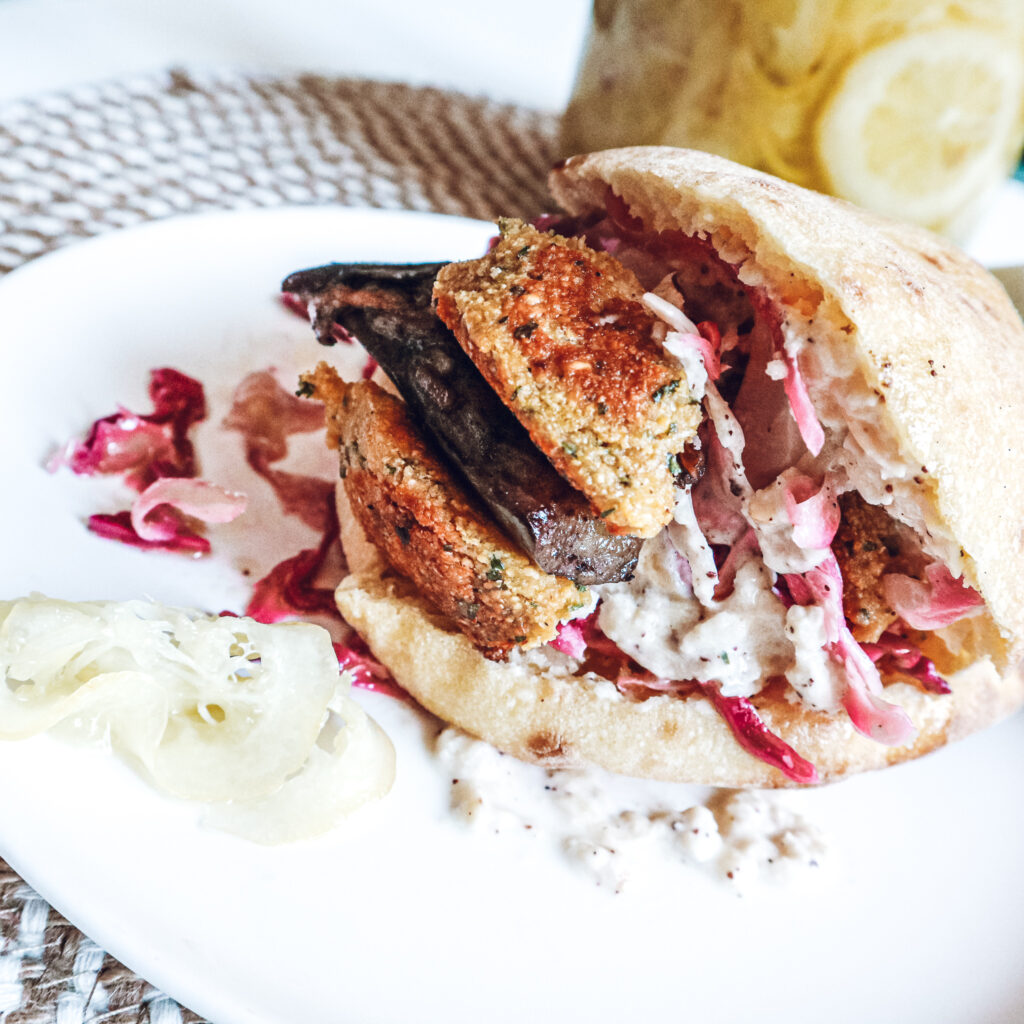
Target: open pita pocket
(855, 546)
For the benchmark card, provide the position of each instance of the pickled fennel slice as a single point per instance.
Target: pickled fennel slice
(216, 709)
(352, 763)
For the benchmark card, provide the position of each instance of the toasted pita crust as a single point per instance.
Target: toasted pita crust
(927, 328)
(931, 330)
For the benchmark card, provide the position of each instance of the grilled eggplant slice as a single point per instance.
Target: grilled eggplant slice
(388, 308)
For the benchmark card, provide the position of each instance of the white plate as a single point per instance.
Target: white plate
(405, 915)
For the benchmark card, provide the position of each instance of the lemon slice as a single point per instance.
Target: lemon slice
(919, 126)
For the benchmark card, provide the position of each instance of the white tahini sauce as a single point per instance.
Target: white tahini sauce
(614, 830)
(739, 642)
(817, 678)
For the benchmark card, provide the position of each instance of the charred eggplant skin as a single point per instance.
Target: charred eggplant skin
(337, 291)
(388, 308)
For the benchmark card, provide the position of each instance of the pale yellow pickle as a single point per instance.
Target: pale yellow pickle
(913, 108)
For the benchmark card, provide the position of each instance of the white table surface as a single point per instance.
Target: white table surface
(524, 52)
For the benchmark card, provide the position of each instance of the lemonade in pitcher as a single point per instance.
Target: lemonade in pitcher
(913, 108)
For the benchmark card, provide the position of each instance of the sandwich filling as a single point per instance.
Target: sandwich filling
(795, 557)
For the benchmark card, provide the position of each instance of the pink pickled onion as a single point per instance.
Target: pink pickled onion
(932, 604)
(177, 398)
(122, 443)
(757, 739)
(812, 509)
(178, 537)
(146, 447)
(893, 653)
(570, 639)
(154, 456)
(578, 636)
(793, 384)
(800, 402)
(365, 670)
(710, 347)
(870, 715)
(195, 498)
(706, 344)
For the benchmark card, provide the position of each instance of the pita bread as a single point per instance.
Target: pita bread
(910, 320)
(533, 709)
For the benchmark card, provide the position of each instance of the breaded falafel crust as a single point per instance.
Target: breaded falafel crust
(559, 332)
(866, 547)
(411, 507)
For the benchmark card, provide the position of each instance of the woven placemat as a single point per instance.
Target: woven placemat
(108, 156)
